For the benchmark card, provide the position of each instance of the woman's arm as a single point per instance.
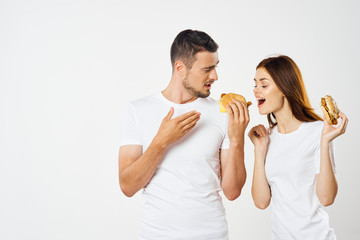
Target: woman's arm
(326, 184)
(260, 188)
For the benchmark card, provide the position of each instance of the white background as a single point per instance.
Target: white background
(67, 68)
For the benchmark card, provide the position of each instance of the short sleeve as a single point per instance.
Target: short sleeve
(130, 134)
(317, 156)
(226, 141)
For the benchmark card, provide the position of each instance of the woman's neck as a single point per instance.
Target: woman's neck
(286, 122)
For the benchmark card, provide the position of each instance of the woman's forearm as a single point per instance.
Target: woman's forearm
(260, 188)
(326, 184)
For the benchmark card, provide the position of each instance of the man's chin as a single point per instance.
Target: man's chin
(203, 95)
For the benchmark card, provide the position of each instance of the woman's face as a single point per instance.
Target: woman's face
(269, 97)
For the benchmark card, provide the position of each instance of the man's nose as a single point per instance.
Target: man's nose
(213, 75)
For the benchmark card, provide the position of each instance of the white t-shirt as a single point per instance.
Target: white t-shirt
(182, 199)
(292, 162)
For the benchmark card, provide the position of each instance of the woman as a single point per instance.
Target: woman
(294, 163)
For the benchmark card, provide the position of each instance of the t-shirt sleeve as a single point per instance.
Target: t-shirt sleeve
(130, 134)
(226, 141)
(317, 156)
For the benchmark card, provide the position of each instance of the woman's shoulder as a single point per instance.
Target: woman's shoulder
(314, 125)
(313, 129)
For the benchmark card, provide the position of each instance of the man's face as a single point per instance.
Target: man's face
(202, 75)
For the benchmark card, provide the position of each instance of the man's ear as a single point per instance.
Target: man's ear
(180, 68)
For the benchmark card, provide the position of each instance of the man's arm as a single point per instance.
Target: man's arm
(136, 169)
(233, 172)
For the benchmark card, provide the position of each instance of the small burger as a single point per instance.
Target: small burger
(330, 109)
(226, 99)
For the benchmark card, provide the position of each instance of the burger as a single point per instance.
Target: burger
(330, 109)
(226, 99)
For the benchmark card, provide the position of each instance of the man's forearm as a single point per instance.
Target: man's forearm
(234, 172)
(138, 174)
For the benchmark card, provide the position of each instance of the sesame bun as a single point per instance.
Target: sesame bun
(330, 109)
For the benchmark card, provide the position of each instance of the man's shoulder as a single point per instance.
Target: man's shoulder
(209, 101)
(143, 101)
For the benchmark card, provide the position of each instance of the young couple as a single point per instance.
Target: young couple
(179, 148)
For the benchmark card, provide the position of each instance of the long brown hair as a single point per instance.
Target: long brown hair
(287, 76)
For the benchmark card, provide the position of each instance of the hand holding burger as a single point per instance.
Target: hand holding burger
(226, 99)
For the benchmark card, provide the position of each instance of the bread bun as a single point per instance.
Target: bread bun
(330, 109)
(226, 99)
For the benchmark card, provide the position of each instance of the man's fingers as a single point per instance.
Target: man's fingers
(246, 111)
(190, 125)
(170, 114)
(229, 111)
(241, 106)
(235, 108)
(186, 115)
(190, 119)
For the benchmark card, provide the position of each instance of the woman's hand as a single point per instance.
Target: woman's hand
(259, 136)
(330, 132)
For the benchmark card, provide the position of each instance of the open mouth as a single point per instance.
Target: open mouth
(261, 101)
(208, 85)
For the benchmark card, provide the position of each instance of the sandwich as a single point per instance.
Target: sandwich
(330, 109)
(226, 99)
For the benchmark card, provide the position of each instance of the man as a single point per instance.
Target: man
(184, 156)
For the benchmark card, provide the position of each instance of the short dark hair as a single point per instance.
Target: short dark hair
(189, 42)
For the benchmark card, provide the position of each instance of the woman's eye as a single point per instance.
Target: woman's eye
(264, 86)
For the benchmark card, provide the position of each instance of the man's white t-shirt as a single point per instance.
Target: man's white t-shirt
(182, 199)
(292, 163)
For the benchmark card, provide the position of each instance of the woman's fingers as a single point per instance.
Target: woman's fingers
(260, 130)
(344, 123)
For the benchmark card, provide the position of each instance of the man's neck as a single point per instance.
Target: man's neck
(176, 93)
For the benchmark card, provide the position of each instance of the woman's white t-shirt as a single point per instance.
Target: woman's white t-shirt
(292, 163)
